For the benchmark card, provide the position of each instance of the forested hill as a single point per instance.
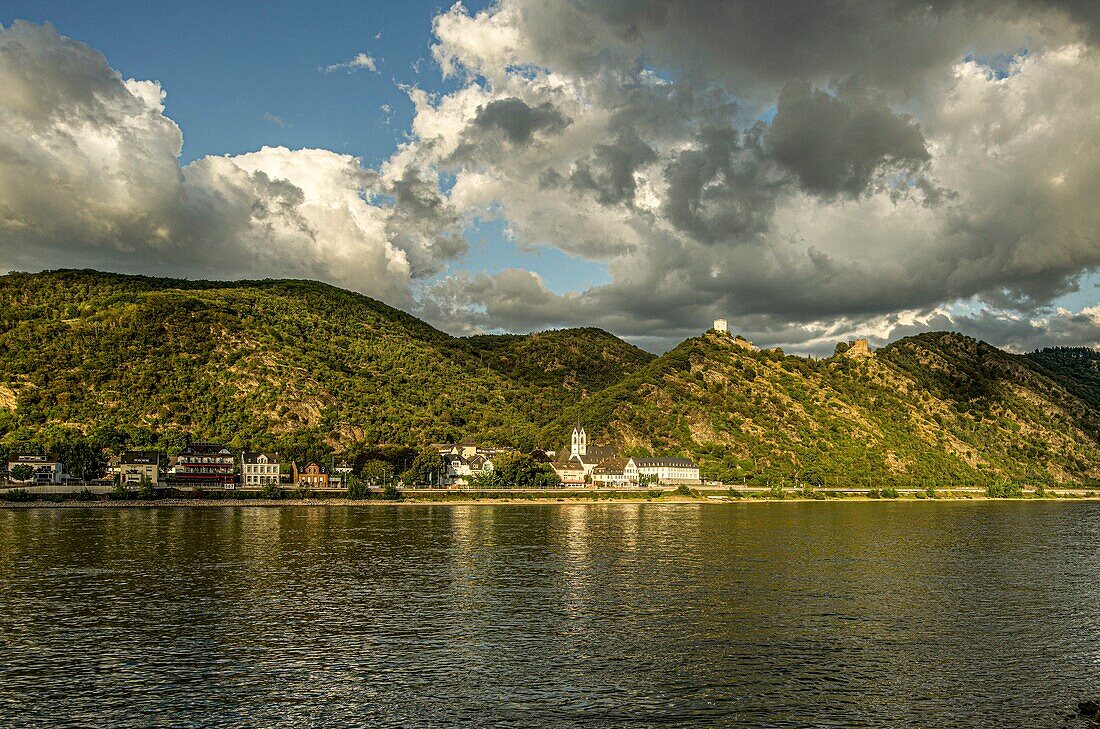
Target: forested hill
(935, 408)
(1076, 368)
(291, 365)
(307, 369)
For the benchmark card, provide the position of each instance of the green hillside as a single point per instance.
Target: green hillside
(935, 408)
(293, 365)
(574, 360)
(126, 361)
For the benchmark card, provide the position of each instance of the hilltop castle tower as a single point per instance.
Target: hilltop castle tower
(579, 445)
(721, 326)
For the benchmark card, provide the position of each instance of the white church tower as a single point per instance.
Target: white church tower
(580, 441)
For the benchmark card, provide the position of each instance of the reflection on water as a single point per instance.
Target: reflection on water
(938, 615)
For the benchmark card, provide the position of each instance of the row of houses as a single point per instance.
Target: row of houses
(204, 465)
(462, 462)
(198, 465)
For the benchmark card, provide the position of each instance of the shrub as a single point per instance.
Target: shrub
(121, 492)
(146, 492)
(358, 489)
(390, 492)
(271, 491)
(18, 495)
(684, 490)
(889, 493)
(1004, 490)
(777, 492)
(85, 495)
(930, 492)
(874, 494)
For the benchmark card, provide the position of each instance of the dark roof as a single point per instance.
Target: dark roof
(151, 458)
(454, 458)
(673, 462)
(612, 464)
(572, 463)
(33, 458)
(205, 449)
(252, 456)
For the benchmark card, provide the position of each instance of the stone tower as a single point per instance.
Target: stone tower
(579, 446)
(721, 326)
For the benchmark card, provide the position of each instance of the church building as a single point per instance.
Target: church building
(574, 465)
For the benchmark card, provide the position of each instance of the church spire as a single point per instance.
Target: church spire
(579, 444)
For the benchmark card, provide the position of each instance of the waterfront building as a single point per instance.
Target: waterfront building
(258, 469)
(610, 473)
(45, 469)
(312, 476)
(204, 465)
(575, 466)
(665, 470)
(134, 465)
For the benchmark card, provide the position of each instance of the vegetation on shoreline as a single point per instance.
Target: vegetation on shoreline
(391, 493)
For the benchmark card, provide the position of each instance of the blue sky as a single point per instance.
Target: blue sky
(243, 75)
(227, 65)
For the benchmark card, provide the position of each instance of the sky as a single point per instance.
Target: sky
(811, 172)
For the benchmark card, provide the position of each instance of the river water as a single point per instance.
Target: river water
(763, 614)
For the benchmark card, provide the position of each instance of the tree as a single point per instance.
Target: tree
(376, 473)
(83, 459)
(424, 469)
(358, 488)
(146, 491)
(521, 471)
(22, 472)
(813, 477)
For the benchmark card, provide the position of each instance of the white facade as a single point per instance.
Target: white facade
(666, 470)
(609, 477)
(721, 325)
(259, 469)
(45, 469)
(135, 465)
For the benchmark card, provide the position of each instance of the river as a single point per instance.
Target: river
(955, 614)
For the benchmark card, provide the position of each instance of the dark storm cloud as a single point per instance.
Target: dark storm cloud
(423, 220)
(765, 43)
(838, 145)
(609, 171)
(720, 189)
(518, 121)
